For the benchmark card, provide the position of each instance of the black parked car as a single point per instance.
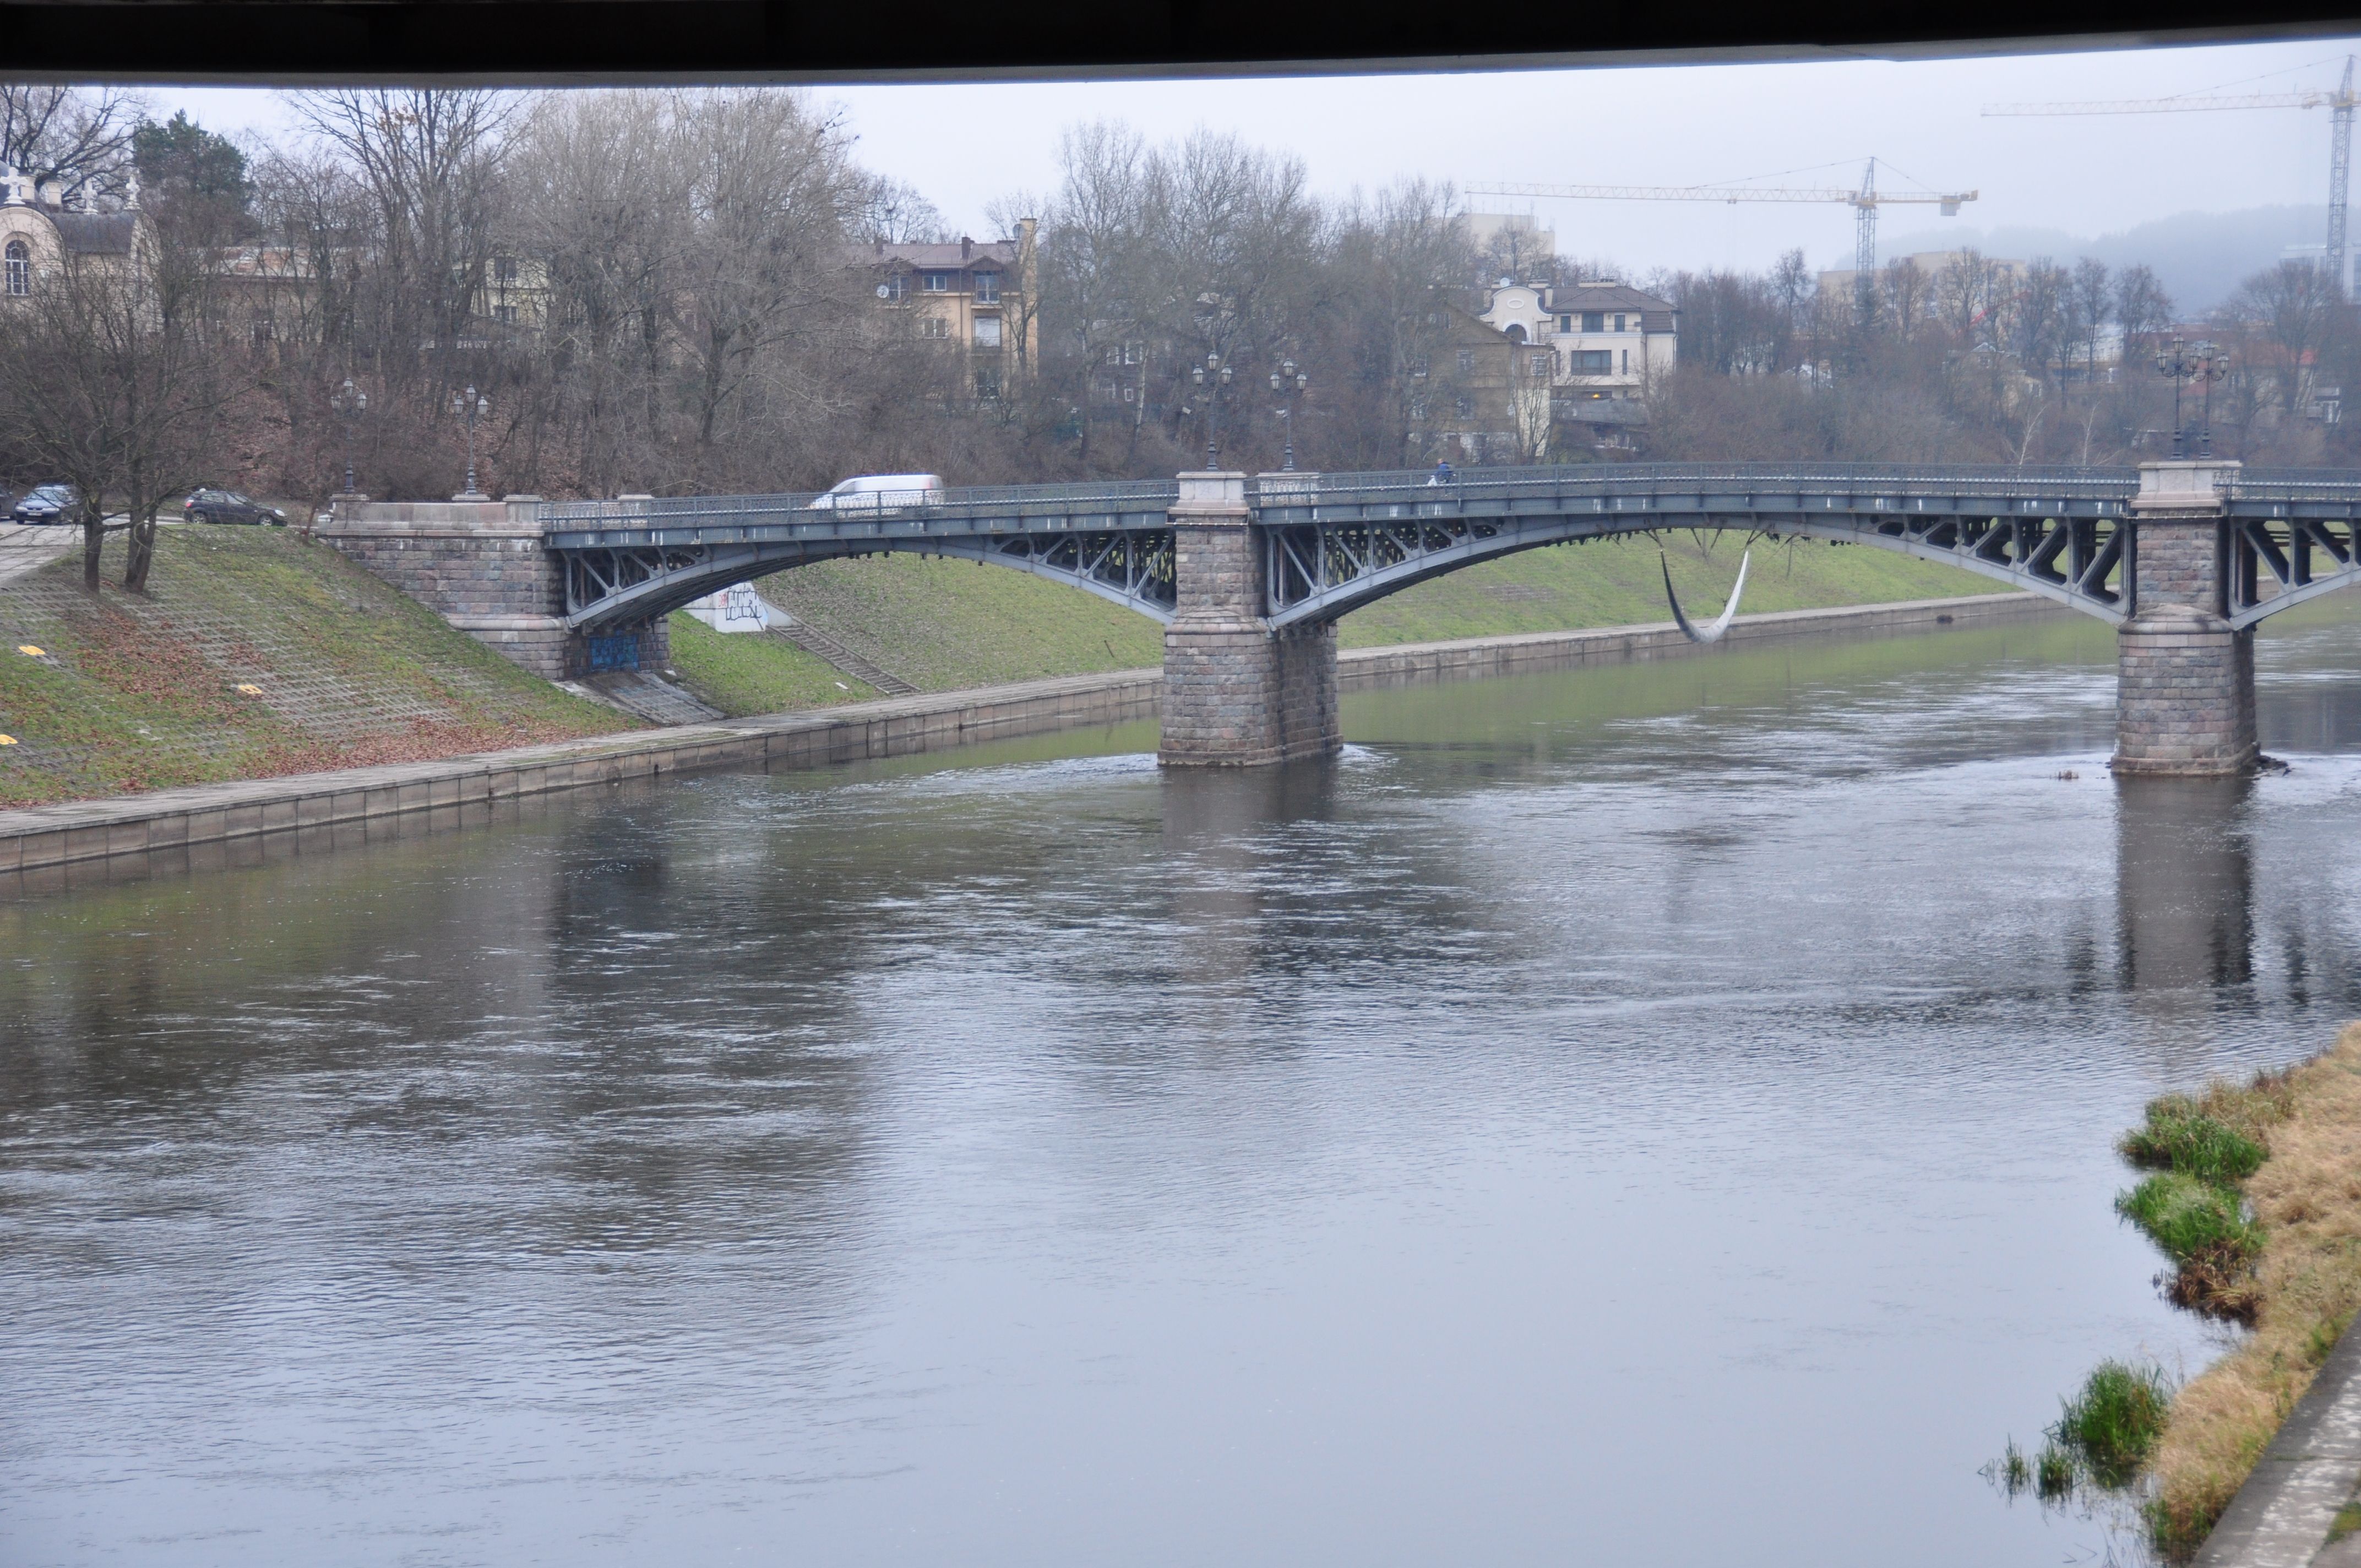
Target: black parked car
(228, 506)
(46, 503)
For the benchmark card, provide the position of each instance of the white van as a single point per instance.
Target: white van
(878, 492)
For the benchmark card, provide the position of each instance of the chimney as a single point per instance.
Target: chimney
(967, 247)
(53, 193)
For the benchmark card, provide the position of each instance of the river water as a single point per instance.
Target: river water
(1658, 1115)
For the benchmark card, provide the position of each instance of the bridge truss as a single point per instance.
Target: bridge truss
(631, 560)
(2056, 532)
(2294, 535)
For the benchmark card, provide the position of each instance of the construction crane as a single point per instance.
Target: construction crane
(1864, 202)
(2339, 103)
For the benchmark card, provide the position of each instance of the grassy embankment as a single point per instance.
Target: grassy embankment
(129, 694)
(2255, 1199)
(256, 654)
(941, 625)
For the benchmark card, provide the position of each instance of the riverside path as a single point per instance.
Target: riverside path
(1248, 574)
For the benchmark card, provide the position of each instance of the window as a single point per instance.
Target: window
(1516, 332)
(1464, 405)
(895, 287)
(1627, 362)
(1594, 321)
(934, 326)
(1466, 360)
(504, 269)
(20, 269)
(987, 383)
(935, 282)
(1591, 362)
(1418, 408)
(987, 288)
(1538, 364)
(987, 331)
(259, 330)
(1618, 324)
(1566, 324)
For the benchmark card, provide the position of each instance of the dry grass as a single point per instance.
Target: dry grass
(2307, 1197)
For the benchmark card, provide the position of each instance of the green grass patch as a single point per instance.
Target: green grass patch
(751, 672)
(941, 625)
(1617, 582)
(2188, 1218)
(2105, 1433)
(2179, 1136)
(256, 653)
(2112, 1424)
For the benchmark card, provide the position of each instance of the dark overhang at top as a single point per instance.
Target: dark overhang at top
(553, 42)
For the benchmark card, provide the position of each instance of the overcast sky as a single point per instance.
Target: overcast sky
(1816, 124)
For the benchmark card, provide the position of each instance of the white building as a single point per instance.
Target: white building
(1603, 340)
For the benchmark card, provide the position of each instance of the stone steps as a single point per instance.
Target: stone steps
(820, 645)
(648, 696)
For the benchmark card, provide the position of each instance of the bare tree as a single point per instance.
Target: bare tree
(2299, 310)
(2142, 307)
(2089, 299)
(891, 212)
(2042, 323)
(78, 139)
(107, 380)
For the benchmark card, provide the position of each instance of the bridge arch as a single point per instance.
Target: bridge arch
(1326, 559)
(622, 563)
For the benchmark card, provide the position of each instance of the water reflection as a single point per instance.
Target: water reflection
(2185, 885)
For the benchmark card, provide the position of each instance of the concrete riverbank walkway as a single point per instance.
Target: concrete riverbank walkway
(2284, 1514)
(41, 839)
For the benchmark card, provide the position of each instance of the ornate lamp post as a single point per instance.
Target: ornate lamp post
(350, 403)
(1289, 383)
(468, 406)
(2184, 363)
(1213, 376)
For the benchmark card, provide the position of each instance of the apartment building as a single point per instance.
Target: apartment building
(974, 295)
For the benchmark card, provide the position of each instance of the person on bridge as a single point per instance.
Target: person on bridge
(1441, 474)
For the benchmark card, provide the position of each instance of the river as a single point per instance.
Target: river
(1655, 1116)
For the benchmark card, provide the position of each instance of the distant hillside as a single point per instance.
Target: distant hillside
(2200, 257)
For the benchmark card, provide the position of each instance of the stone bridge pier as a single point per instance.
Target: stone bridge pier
(1235, 692)
(2184, 675)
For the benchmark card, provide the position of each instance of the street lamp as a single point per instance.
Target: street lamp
(470, 407)
(1289, 383)
(1216, 376)
(2201, 363)
(350, 403)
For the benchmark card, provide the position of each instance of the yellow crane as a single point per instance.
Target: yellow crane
(1864, 201)
(2339, 103)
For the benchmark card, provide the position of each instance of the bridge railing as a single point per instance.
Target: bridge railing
(2296, 485)
(660, 511)
(2100, 483)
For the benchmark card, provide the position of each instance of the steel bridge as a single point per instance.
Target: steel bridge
(1331, 543)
